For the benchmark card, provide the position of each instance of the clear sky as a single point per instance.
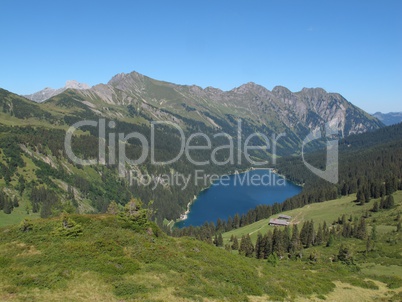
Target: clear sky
(351, 47)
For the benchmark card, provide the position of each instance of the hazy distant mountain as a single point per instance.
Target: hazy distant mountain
(390, 118)
(48, 92)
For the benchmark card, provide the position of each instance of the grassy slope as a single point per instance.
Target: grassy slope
(328, 211)
(111, 263)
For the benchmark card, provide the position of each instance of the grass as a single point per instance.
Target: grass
(328, 211)
(109, 262)
(17, 215)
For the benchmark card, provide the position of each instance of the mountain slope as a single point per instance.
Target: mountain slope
(277, 110)
(115, 258)
(33, 136)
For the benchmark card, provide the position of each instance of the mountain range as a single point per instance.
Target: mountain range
(127, 95)
(32, 134)
(48, 92)
(390, 118)
(122, 251)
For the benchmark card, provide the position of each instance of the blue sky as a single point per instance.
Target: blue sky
(351, 47)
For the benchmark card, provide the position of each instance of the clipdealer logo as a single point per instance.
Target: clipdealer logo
(116, 143)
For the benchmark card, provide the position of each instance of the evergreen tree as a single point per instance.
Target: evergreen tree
(295, 241)
(345, 254)
(374, 232)
(389, 202)
(375, 207)
(368, 245)
(220, 240)
(259, 247)
(286, 238)
(320, 237)
(325, 231)
(246, 246)
(216, 240)
(382, 202)
(361, 229)
(311, 234)
(21, 184)
(268, 244)
(360, 197)
(366, 193)
(277, 242)
(235, 244)
(304, 233)
(229, 225)
(16, 203)
(8, 207)
(330, 241)
(236, 221)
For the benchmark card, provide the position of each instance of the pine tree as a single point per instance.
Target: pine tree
(16, 203)
(304, 233)
(382, 202)
(374, 232)
(311, 234)
(325, 231)
(360, 197)
(220, 240)
(389, 203)
(8, 207)
(345, 254)
(229, 225)
(236, 221)
(295, 241)
(368, 245)
(235, 245)
(246, 246)
(375, 207)
(330, 241)
(320, 237)
(366, 193)
(277, 242)
(268, 244)
(259, 247)
(286, 239)
(361, 229)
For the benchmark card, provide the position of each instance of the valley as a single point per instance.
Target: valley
(69, 227)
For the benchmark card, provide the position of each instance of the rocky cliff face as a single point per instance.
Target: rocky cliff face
(133, 94)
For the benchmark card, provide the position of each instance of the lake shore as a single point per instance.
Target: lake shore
(184, 216)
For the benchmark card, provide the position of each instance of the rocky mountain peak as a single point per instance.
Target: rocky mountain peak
(250, 87)
(49, 92)
(76, 85)
(281, 91)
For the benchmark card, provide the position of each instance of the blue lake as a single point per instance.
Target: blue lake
(237, 194)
